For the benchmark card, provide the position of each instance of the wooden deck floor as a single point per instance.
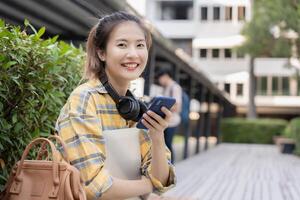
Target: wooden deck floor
(238, 172)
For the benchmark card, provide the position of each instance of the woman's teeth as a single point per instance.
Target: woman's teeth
(131, 66)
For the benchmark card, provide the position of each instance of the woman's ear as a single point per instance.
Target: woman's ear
(101, 55)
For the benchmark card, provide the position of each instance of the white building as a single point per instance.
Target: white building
(209, 30)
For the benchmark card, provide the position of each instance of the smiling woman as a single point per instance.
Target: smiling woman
(98, 121)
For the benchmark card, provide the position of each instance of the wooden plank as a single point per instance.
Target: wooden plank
(238, 172)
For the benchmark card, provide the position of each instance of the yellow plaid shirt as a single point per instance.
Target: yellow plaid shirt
(89, 111)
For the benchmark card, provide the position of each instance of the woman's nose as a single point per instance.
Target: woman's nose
(132, 52)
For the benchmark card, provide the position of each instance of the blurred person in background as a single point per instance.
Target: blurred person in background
(171, 89)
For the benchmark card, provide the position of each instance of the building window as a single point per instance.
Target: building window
(227, 87)
(239, 89)
(204, 13)
(275, 86)
(215, 53)
(227, 53)
(261, 85)
(203, 53)
(280, 86)
(216, 13)
(241, 13)
(177, 10)
(240, 54)
(228, 13)
(285, 86)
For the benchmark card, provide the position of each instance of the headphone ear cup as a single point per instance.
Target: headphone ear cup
(128, 108)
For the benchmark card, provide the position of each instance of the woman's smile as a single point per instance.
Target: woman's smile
(130, 66)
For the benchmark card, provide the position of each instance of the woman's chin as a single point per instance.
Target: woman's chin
(132, 75)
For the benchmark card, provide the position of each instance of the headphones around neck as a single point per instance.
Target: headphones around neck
(128, 106)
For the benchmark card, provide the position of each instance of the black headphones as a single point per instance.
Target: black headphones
(128, 106)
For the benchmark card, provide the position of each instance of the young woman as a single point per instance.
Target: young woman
(117, 53)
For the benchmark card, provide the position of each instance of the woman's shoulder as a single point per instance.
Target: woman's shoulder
(88, 93)
(90, 87)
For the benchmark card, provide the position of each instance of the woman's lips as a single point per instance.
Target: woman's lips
(130, 66)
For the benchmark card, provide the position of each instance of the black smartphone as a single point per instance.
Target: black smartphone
(156, 104)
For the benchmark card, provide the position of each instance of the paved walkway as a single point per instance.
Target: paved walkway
(179, 147)
(238, 172)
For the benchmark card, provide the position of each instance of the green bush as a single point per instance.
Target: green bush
(293, 131)
(36, 77)
(239, 130)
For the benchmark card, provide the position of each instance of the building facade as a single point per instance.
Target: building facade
(209, 31)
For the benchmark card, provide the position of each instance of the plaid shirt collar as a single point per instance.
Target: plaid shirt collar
(95, 83)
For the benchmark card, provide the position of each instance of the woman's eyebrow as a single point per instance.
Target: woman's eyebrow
(125, 40)
(121, 40)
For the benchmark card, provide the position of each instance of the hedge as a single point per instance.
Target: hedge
(36, 77)
(240, 130)
(293, 131)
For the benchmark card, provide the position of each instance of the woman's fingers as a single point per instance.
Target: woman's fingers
(154, 116)
(167, 112)
(157, 121)
(151, 120)
(147, 125)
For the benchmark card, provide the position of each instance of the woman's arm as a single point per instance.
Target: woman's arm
(122, 189)
(156, 126)
(159, 162)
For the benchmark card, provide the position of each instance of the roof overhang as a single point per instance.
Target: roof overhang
(218, 42)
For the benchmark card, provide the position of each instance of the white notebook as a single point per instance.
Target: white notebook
(123, 154)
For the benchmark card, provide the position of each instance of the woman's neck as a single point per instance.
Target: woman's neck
(119, 86)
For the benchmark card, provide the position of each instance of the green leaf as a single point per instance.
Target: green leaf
(9, 64)
(3, 96)
(14, 118)
(15, 80)
(54, 39)
(35, 133)
(18, 127)
(7, 126)
(2, 58)
(44, 134)
(40, 32)
(6, 138)
(2, 177)
(2, 23)
(26, 22)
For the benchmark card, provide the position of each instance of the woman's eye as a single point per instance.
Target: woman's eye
(141, 45)
(121, 45)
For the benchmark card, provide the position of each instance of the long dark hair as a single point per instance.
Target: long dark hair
(98, 38)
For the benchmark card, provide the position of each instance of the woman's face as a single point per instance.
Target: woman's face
(126, 52)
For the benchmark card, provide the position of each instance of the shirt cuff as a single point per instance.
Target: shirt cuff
(157, 185)
(100, 184)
